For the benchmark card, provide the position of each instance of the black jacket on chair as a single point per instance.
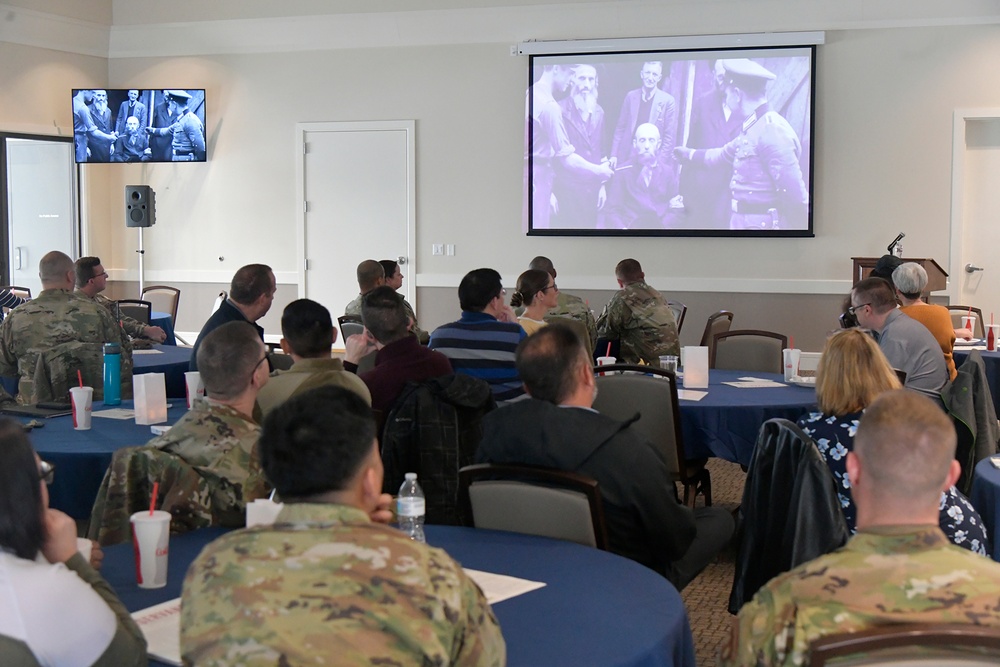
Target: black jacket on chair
(790, 510)
(970, 405)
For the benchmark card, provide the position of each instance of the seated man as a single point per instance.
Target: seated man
(326, 579)
(250, 297)
(370, 275)
(898, 568)
(558, 428)
(91, 280)
(400, 358)
(132, 145)
(394, 279)
(308, 334)
(482, 344)
(906, 343)
(56, 317)
(639, 317)
(569, 305)
(639, 195)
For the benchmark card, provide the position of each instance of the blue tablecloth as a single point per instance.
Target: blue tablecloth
(170, 360)
(165, 322)
(991, 360)
(596, 608)
(985, 497)
(726, 421)
(82, 457)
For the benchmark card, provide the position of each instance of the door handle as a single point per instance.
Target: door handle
(972, 268)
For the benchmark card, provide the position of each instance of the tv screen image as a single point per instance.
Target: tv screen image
(671, 143)
(132, 125)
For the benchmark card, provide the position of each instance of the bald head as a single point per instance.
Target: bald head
(56, 271)
(371, 274)
(541, 263)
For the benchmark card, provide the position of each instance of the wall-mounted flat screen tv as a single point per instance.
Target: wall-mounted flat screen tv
(671, 143)
(132, 125)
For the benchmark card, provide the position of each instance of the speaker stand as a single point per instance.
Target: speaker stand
(142, 264)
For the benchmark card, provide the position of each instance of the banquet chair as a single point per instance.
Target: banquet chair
(717, 323)
(650, 394)
(349, 325)
(679, 310)
(23, 292)
(910, 645)
(534, 501)
(956, 318)
(790, 510)
(219, 300)
(163, 298)
(279, 360)
(747, 350)
(578, 327)
(136, 309)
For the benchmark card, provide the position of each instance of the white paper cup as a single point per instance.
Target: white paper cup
(790, 361)
(262, 512)
(969, 322)
(995, 328)
(82, 399)
(151, 540)
(668, 362)
(195, 389)
(605, 361)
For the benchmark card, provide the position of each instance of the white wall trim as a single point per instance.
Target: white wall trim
(669, 284)
(49, 31)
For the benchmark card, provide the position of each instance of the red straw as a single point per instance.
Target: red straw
(791, 342)
(79, 376)
(152, 501)
(991, 319)
(970, 312)
(608, 353)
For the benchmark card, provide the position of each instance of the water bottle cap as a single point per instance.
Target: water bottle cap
(112, 348)
(410, 476)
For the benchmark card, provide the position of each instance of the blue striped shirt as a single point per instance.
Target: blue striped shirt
(483, 347)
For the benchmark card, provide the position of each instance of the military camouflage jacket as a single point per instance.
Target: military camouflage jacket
(132, 327)
(326, 586)
(353, 309)
(640, 318)
(893, 574)
(575, 308)
(69, 334)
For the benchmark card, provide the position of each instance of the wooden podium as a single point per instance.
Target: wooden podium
(937, 278)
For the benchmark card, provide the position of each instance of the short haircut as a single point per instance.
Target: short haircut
(227, 359)
(316, 442)
(250, 283)
(308, 328)
(852, 372)
(384, 315)
(369, 273)
(629, 271)
(529, 284)
(543, 263)
(910, 279)
(884, 267)
(390, 267)
(906, 444)
(54, 266)
(478, 288)
(877, 293)
(548, 360)
(84, 268)
(22, 527)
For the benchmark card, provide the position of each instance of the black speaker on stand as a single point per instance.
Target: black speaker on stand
(140, 212)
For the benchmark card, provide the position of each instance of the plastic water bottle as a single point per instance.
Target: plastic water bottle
(112, 374)
(410, 508)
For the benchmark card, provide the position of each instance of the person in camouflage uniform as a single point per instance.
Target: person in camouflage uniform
(568, 306)
(639, 317)
(328, 584)
(63, 332)
(91, 280)
(394, 279)
(217, 438)
(898, 568)
(370, 275)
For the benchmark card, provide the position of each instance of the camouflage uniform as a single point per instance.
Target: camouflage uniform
(69, 333)
(326, 586)
(132, 327)
(640, 318)
(354, 309)
(891, 574)
(575, 308)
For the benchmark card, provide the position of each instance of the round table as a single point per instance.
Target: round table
(170, 360)
(726, 421)
(595, 609)
(985, 497)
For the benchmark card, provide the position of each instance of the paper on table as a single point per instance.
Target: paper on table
(753, 383)
(161, 626)
(135, 352)
(500, 587)
(115, 413)
(691, 394)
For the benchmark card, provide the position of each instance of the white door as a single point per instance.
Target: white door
(358, 203)
(41, 205)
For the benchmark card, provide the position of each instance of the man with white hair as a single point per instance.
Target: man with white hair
(100, 145)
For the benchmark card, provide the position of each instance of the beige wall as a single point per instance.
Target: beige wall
(884, 104)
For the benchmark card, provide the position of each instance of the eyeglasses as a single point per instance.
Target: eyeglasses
(853, 309)
(547, 288)
(46, 472)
